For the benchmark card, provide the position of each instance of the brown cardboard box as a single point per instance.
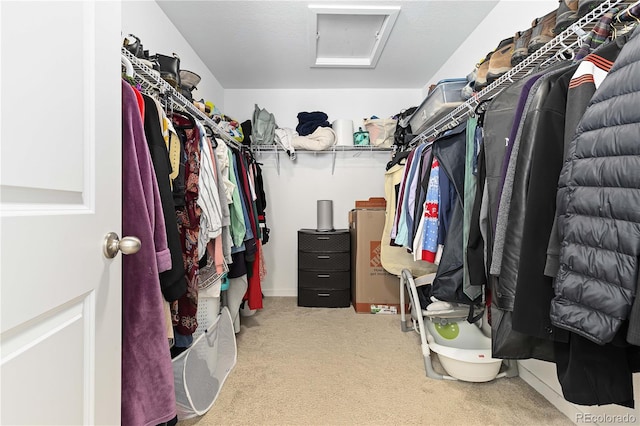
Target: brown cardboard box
(370, 283)
(372, 203)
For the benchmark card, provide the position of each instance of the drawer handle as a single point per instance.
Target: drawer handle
(324, 257)
(324, 294)
(324, 238)
(324, 276)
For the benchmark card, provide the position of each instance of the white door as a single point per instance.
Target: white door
(60, 193)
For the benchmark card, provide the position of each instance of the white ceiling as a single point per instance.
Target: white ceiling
(263, 44)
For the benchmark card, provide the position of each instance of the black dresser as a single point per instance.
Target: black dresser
(324, 265)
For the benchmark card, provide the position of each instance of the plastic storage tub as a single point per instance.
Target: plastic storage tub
(463, 350)
(444, 98)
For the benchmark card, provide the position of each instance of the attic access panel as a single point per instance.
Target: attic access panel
(344, 36)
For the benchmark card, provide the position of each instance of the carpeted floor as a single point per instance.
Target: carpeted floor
(320, 366)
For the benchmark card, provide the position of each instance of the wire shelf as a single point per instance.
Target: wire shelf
(555, 50)
(151, 83)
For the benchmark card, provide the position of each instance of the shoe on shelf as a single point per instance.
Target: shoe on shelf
(169, 68)
(500, 61)
(483, 69)
(566, 15)
(542, 31)
(586, 6)
(520, 48)
(468, 90)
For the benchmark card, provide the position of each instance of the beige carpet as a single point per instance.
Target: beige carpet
(318, 366)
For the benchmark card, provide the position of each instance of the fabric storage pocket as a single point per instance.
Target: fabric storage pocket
(381, 131)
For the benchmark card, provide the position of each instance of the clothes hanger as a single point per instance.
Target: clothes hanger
(128, 67)
(210, 134)
(187, 117)
(129, 72)
(628, 18)
(398, 158)
(481, 109)
(630, 14)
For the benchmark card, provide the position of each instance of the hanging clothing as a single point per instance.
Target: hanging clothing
(253, 251)
(188, 218)
(598, 214)
(173, 281)
(534, 290)
(225, 189)
(148, 394)
(448, 283)
(587, 78)
(393, 258)
(508, 162)
(399, 207)
(430, 236)
(470, 182)
(512, 206)
(406, 219)
(208, 196)
(238, 227)
(507, 342)
(476, 252)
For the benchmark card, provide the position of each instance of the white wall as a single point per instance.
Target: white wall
(292, 203)
(507, 18)
(293, 193)
(148, 22)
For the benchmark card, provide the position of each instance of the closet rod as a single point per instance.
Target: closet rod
(550, 52)
(151, 80)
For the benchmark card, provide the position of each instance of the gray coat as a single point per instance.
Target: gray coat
(599, 208)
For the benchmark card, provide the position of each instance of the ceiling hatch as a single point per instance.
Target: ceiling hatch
(344, 36)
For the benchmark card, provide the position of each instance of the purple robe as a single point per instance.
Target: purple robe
(148, 394)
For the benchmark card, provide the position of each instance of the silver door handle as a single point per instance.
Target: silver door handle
(127, 245)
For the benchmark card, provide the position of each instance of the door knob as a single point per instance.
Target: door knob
(113, 244)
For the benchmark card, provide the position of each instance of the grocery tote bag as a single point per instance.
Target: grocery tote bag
(381, 131)
(200, 371)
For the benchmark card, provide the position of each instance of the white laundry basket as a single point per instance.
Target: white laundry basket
(200, 371)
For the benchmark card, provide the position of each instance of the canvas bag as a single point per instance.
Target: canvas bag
(263, 126)
(381, 131)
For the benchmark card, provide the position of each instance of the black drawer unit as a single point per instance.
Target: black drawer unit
(324, 268)
(324, 279)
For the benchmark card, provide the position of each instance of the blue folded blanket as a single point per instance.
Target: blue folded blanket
(308, 122)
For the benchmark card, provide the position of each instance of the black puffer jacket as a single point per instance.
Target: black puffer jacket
(599, 208)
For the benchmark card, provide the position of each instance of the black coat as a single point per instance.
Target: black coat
(599, 208)
(448, 283)
(172, 282)
(534, 290)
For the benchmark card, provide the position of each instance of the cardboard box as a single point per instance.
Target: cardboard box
(372, 203)
(370, 283)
